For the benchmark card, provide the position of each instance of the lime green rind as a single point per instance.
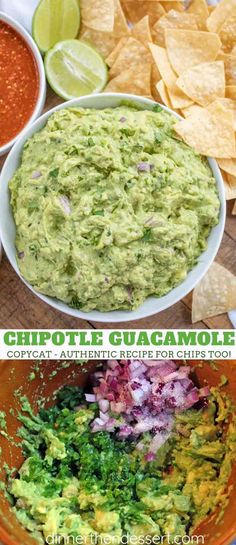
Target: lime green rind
(56, 69)
(41, 19)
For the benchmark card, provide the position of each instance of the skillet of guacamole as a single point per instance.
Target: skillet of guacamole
(75, 482)
(110, 207)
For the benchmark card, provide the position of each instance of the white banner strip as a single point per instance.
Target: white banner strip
(117, 344)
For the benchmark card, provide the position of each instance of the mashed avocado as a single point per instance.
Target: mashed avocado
(110, 207)
(93, 485)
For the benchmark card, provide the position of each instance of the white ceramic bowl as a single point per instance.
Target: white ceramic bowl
(42, 79)
(152, 305)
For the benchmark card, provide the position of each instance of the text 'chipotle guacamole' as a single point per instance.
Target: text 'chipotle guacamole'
(110, 207)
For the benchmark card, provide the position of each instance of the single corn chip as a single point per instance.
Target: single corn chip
(203, 83)
(209, 131)
(215, 293)
(186, 48)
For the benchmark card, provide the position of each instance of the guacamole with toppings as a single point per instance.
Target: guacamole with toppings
(76, 483)
(110, 207)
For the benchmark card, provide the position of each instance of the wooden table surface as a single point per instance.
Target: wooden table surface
(20, 309)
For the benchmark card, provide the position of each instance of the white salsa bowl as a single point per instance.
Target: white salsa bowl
(41, 75)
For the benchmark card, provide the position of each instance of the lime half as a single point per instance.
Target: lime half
(55, 20)
(74, 68)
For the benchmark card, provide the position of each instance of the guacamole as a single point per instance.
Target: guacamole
(110, 207)
(75, 482)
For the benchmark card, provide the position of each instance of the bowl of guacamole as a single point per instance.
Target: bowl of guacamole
(105, 213)
(81, 466)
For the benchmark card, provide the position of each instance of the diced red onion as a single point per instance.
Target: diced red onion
(36, 174)
(130, 293)
(182, 373)
(146, 395)
(150, 456)
(140, 446)
(191, 399)
(103, 405)
(112, 364)
(110, 425)
(104, 416)
(125, 431)
(65, 203)
(158, 440)
(145, 167)
(98, 422)
(118, 407)
(98, 374)
(143, 426)
(97, 427)
(91, 398)
(159, 363)
(151, 222)
(204, 392)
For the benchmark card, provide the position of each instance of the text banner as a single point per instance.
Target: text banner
(117, 344)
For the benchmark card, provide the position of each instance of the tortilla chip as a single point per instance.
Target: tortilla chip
(105, 42)
(186, 48)
(169, 4)
(204, 82)
(234, 209)
(116, 51)
(155, 77)
(230, 186)
(136, 10)
(98, 14)
(209, 132)
(120, 24)
(200, 8)
(229, 104)
(230, 66)
(177, 98)
(193, 108)
(132, 54)
(230, 91)
(215, 293)
(230, 192)
(162, 90)
(231, 181)
(141, 31)
(228, 165)
(220, 14)
(173, 19)
(133, 81)
(227, 32)
(162, 62)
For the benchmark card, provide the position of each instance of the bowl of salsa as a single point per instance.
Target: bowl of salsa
(22, 81)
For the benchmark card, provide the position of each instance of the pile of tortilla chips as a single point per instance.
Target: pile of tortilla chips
(184, 58)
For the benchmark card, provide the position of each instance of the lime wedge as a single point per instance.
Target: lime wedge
(74, 68)
(55, 20)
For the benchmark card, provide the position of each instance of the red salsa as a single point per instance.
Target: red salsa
(19, 83)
